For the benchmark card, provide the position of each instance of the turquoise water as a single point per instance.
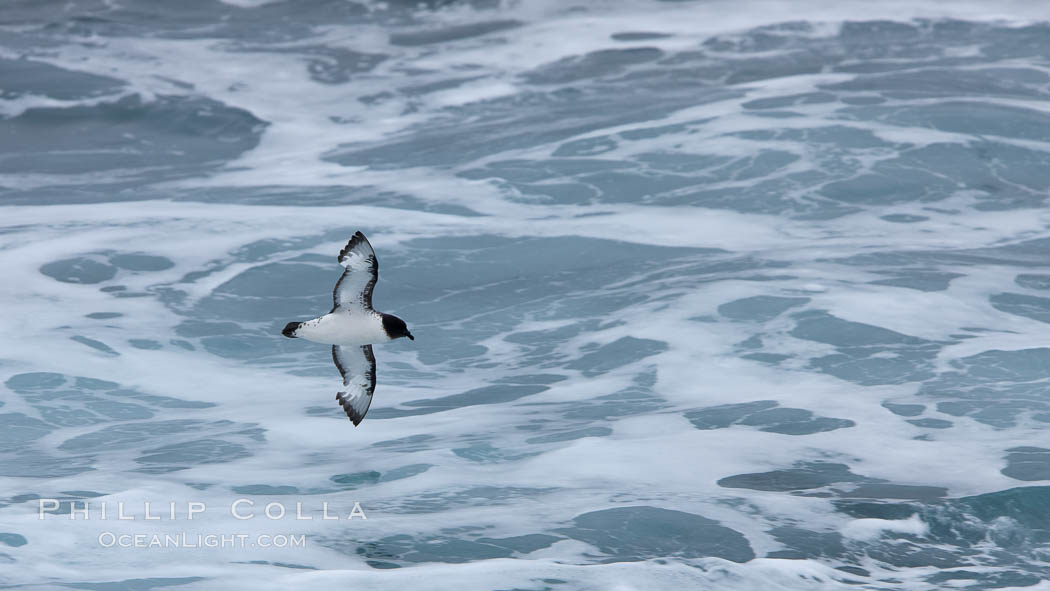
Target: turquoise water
(707, 295)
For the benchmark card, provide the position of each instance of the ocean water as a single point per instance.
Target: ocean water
(707, 294)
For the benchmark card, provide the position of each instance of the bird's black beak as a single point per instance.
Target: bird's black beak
(410, 337)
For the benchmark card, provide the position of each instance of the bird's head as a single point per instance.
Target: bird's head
(395, 327)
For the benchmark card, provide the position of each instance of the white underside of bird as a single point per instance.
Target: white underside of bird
(343, 327)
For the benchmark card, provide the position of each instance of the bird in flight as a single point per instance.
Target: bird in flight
(353, 326)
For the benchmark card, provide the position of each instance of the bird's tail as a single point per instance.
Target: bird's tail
(290, 328)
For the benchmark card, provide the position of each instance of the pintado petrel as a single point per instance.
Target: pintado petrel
(353, 326)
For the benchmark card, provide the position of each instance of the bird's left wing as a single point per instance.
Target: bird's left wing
(357, 365)
(354, 288)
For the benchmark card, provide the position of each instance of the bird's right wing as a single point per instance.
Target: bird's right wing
(357, 365)
(354, 288)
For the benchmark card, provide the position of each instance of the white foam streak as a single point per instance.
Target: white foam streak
(870, 529)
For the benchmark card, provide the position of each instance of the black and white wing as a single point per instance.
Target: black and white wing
(354, 288)
(358, 368)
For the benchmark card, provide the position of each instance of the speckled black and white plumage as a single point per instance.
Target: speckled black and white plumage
(352, 326)
(357, 365)
(355, 286)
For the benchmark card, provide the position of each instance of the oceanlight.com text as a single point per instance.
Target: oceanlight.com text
(109, 539)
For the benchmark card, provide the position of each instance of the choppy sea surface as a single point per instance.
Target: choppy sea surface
(707, 294)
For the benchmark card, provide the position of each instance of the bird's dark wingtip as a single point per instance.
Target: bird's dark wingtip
(353, 416)
(349, 410)
(356, 239)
